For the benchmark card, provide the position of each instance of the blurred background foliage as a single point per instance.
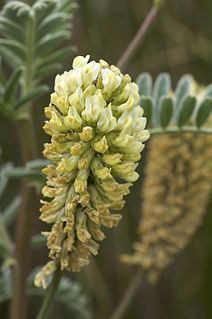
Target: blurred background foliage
(180, 42)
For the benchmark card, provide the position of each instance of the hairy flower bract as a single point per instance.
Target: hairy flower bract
(97, 133)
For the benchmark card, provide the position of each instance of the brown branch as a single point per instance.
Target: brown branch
(128, 296)
(24, 225)
(139, 37)
(122, 63)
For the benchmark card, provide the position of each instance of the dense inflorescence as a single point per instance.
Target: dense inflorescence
(97, 133)
(176, 188)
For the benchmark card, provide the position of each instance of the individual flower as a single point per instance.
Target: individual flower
(175, 193)
(97, 133)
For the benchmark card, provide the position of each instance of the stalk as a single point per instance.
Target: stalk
(5, 237)
(134, 285)
(128, 296)
(185, 129)
(18, 309)
(140, 35)
(138, 39)
(50, 295)
(24, 225)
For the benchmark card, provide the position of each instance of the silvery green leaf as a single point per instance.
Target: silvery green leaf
(52, 23)
(53, 58)
(47, 69)
(17, 47)
(6, 110)
(12, 85)
(185, 109)
(165, 110)
(183, 88)
(10, 212)
(23, 172)
(162, 86)
(204, 111)
(51, 41)
(44, 8)
(208, 92)
(31, 96)
(37, 164)
(5, 285)
(21, 8)
(10, 28)
(147, 105)
(3, 176)
(144, 81)
(2, 76)
(69, 295)
(67, 5)
(42, 27)
(10, 57)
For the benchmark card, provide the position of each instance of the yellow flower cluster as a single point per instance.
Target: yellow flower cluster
(176, 188)
(97, 133)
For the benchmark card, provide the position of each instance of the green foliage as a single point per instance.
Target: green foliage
(38, 240)
(3, 177)
(7, 215)
(30, 43)
(11, 86)
(11, 210)
(144, 82)
(147, 104)
(32, 172)
(203, 112)
(188, 108)
(182, 89)
(69, 293)
(185, 109)
(161, 86)
(165, 110)
(5, 285)
(31, 96)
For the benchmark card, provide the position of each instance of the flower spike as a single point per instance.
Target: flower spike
(97, 133)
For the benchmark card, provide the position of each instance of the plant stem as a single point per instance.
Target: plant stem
(26, 217)
(99, 289)
(174, 130)
(5, 237)
(122, 63)
(128, 296)
(140, 35)
(50, 295)
(24, 225)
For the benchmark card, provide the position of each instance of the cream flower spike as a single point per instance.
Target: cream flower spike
(97, 134)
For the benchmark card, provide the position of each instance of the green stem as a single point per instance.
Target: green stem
(50, 295)
(128, 296)
(174, 130)
(5, 237)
